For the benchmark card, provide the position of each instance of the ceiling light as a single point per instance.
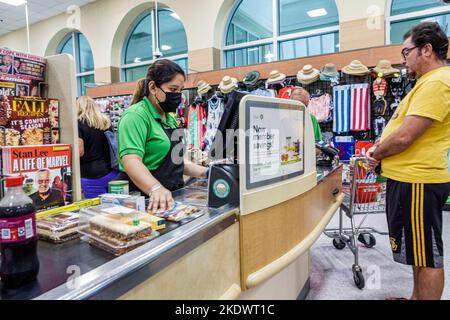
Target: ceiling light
(175, 16)
(14, 2)
(253, 49)
(269, 57)
(165, 47)
(317, 13)
(137, 60)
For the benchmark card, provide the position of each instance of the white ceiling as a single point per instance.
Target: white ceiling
(38, 10)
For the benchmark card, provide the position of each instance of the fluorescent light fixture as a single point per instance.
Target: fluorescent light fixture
(14, 2)
(137, 60)
(175, 16)
(165, 47)
(253, 49)
(317, 13)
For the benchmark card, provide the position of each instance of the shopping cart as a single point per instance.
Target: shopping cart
(365, 194)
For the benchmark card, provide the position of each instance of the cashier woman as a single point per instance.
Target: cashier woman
(150, 144)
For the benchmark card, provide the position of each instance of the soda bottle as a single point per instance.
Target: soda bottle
(19, 263)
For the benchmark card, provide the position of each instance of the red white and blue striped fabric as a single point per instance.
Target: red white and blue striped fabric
(360, 107)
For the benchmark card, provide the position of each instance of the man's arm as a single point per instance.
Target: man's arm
(412, 128)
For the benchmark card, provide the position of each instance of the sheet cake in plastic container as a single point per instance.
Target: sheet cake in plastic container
(115, 229)
(59, 228)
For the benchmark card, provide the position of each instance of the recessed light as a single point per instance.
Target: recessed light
(14, 2)
(317, 13)
(165, 47)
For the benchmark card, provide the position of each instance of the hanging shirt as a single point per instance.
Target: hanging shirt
(215, 112)
(341, 116)
(196, 125)
(360, 107)
(264, 93)
(286, 92)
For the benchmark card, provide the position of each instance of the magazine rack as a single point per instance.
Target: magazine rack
(60, 77)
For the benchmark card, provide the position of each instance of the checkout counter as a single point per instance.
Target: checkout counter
(254, 245)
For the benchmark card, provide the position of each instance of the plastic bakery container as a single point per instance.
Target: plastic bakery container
(115, 229)
(59, 228)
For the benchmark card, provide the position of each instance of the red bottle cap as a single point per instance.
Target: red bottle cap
(14, 181)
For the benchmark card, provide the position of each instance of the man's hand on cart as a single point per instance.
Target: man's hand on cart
(372, 163)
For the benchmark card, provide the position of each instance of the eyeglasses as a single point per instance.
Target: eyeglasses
(407, 51)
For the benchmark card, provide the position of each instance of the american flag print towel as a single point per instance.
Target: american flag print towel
(360, 107)
(341, 114)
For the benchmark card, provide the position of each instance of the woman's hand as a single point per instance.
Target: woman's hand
(160, 201)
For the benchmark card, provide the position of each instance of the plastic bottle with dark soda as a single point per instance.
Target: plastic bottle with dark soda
(19, 263)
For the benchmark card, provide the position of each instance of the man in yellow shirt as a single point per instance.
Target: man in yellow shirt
(413, 155)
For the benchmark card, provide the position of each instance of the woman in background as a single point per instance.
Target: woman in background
(95, 161)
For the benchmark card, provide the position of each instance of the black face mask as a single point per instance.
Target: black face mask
(173, 101)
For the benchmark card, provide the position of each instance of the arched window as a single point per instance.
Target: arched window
(138, 50)
(262, 31)
(408, 13)
(77, 45)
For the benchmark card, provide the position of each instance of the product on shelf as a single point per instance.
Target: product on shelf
(115, 229)
(59, 228)
(47, 172)
(114, 107)
(33, 120)
(20, 73)
(132, 202)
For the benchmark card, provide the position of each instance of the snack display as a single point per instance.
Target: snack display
(115, 229)
(181, 213)
(59, 228)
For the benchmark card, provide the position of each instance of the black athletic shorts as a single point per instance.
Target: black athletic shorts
(414, 215)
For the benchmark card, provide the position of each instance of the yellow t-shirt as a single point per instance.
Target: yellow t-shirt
(425, 161)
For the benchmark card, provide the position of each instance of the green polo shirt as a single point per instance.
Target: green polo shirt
(316, 127)
(140, 133)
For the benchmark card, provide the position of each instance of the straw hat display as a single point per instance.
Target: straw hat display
(308, 75)
(356, 68)
(328, 72)
(385, 67)
(203, 87)
(276, 77)
(228, 84)
(251, 78)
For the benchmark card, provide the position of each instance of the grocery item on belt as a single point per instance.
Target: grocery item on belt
(59, 228)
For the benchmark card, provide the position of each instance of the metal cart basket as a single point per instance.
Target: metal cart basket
(365, 194)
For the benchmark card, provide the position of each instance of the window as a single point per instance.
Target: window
(268, 30)
(77, 45)
(141, 41)
(408, 13)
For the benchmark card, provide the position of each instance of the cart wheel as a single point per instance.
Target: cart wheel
(358, 277)
(367, 239)
(338, 244)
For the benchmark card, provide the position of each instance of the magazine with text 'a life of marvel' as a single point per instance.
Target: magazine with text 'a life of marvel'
(47, 172)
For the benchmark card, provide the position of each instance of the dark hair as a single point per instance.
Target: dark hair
(432, 33)
(160, 71)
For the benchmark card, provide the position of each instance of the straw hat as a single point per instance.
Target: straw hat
(275, 76)
(356, 68)
(203, 87)
(251, 78)
(308, 75)
(328, 71)
(228, 84)
(385, 67)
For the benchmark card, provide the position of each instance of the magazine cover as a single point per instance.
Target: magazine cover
(14, 85)
(22, 64)
(47, 172)
(28, 121)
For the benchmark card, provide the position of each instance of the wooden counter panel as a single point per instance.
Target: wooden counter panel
(269, 234)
